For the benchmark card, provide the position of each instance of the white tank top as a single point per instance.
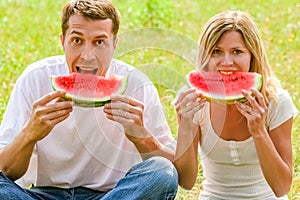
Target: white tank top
(231, 168)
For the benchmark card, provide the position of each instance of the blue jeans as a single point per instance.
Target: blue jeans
(155, 178)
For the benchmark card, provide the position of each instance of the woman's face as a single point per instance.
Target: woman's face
(230, 54)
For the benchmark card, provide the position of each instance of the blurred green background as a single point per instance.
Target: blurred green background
(29, 30)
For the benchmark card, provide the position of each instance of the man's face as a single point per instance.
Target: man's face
(88, 45)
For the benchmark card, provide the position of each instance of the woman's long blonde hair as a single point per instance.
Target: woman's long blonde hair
(243, 23)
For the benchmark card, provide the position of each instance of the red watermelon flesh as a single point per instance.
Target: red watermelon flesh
(224, 87)
(89, 90)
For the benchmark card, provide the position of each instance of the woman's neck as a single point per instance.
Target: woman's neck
(228, 122)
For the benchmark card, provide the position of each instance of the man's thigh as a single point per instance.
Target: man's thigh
(11, 191)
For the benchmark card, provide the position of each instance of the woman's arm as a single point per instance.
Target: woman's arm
(274, 148)
(186, 157)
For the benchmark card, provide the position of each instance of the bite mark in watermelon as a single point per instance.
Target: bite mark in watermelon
(89, 90)
(224, 87)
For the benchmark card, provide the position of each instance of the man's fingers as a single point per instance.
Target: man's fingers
(59, 113)
(49, 97)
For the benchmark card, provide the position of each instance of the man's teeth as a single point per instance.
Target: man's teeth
(86, 71)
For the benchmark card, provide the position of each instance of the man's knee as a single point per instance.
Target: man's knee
(154, 178)
(165, 177)
(163, 171)
(161, 165)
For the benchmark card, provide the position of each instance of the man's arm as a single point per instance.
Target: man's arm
(15, 157)
(129, 112)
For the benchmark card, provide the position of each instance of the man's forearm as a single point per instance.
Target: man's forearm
(15, 157)
(150, 146)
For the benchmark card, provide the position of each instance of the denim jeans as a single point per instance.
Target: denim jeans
(155, 178)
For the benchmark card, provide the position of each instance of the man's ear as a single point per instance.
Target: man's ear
(62, 39)
(116, 40)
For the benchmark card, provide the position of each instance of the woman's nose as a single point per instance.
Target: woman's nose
(227, 60)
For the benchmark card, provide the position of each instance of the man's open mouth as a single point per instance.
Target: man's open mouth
(86, 70)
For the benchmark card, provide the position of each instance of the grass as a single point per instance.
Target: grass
(29, 31)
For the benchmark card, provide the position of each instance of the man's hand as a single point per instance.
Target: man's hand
(46, 115)
(128, 112)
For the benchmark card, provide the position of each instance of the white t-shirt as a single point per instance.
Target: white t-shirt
(86, 149)
(231, 168)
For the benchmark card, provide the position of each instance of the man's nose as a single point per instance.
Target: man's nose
(88, 52)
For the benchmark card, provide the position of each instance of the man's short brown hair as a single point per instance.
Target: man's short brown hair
(91, 10)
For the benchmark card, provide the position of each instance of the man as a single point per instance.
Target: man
(122, 150)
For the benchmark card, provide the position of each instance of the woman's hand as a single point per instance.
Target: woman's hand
(255, 110)
(186, 105)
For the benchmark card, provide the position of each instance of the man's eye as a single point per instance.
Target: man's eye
(99, 42)
(76, 40)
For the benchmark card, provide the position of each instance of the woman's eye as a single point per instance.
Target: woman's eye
(216, 51)
(237, 51)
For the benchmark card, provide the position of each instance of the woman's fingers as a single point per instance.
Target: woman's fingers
(187, 97)
(259, 98)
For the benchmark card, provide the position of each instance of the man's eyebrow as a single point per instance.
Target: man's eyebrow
(79, 33)
(102, 36)
(76, 32)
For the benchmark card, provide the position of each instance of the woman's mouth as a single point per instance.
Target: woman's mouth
(226, 72)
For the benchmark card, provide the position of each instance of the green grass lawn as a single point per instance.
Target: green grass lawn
(29, 30)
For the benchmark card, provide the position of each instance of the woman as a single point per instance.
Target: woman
(246, 150)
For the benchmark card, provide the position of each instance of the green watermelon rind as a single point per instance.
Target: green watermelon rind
(87, 101)
(227, 99)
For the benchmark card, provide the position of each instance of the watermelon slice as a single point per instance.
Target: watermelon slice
(89, 90)
(224, 87)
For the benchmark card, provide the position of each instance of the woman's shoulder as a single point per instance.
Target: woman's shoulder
(282, 110)
(284, 98)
